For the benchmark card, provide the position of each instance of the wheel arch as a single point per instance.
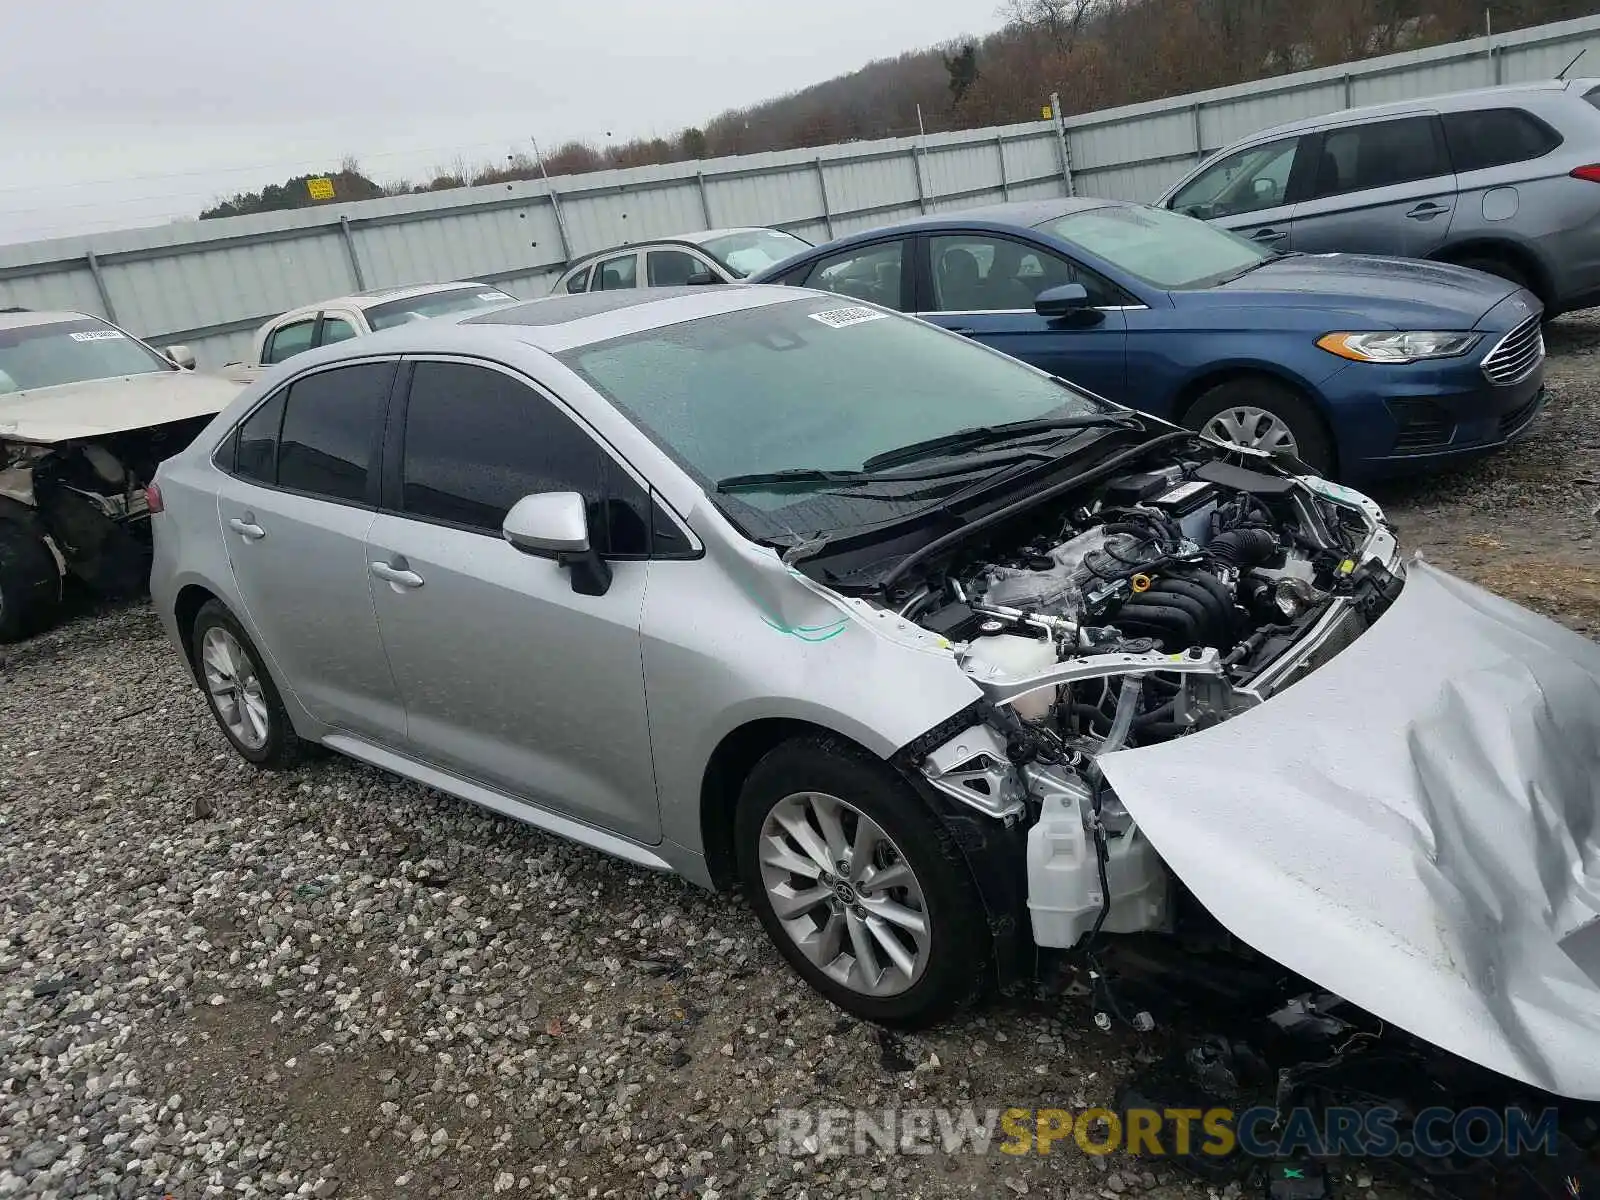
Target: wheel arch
(730, 764)
(186, 608)
(1197, 386)
(1513, 253)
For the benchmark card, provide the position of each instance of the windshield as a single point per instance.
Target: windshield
(811, 383)
(41, 356)
(1165, 249)
(435, 304)
(753, 250)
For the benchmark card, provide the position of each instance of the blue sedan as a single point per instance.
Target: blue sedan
(1358, 366)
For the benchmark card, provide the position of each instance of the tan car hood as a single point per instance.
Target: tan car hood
(77, 411)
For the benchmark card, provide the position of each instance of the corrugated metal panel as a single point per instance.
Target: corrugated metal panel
(213, 282)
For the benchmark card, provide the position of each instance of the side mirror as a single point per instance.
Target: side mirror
(181, 356)
(700, 278)
(556, 525)
(1061, 301)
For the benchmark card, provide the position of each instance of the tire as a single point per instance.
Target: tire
(1265, 396)
(30, 583)
(950, 964)
(259, 730)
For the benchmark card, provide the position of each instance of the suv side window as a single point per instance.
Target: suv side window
(869, 273)
(477, 441)
(331, 423)
(1379, 154)
(288, 340)
(1493, 137)
(1246, 181)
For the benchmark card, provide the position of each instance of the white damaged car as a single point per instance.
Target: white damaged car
(86, 412)
(944, 661)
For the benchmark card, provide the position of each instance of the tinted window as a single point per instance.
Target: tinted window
(1492, 137)
(289, 341)
(1379, 154)
(336, 329)
(618, 274)
(579, 282)
(330, 424)
(868, 273)
(672, 268)
(258, 442)
(975, 273)
(1245, 181)
(477, 441)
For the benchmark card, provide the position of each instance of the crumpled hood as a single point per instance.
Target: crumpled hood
(1415, 827)
(76, 411)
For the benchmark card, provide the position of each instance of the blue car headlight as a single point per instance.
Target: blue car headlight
(1398, 347)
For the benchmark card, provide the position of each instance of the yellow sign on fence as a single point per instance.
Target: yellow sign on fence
(1046, 113)
(320, 189)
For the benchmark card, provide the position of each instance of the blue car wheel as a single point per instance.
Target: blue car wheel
(1263, 415)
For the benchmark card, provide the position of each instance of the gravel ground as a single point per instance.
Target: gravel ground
(334, 983)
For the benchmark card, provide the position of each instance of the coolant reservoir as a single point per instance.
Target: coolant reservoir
(1015, 656)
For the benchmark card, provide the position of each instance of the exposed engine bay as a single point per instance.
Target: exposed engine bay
(86, 500)
(1154, 606)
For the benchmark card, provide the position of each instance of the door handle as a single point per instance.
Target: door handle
(1426, 210)
(396, 576)
(1268, 235)
(248, 530)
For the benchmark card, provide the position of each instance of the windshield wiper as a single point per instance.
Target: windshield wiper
(1255, 266)
(818, 476)
(988, 435)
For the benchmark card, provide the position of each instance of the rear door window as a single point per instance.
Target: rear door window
(257, 455)
(335, 329)
(331, 423)
(1493, 137)
(579, 282)
(1379, 154)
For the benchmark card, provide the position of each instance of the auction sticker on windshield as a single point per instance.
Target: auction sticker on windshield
(839, 318)
(96, 335)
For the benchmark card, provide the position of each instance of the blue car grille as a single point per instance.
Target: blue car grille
(1517, 355)
(1422, 426)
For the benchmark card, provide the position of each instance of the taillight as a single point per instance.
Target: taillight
(1591, 173)
(152, 499)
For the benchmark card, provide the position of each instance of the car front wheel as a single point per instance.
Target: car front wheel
(1262, 414)
(858, 885)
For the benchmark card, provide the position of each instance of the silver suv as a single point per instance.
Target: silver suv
(941, 659)
(1505, 180)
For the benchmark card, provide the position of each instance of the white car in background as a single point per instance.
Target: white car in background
(711, 256)
(345, 317)
(87, 411)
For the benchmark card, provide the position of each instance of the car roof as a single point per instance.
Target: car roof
(26, 318)
(693, 238)
(1444, 101)
(377, 296)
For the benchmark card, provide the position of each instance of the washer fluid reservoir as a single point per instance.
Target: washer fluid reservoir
(1014, 656)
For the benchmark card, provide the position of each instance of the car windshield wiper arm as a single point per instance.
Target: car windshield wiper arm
(988, 435)
(822, 477)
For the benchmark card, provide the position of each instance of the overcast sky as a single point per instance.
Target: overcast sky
(115, 113)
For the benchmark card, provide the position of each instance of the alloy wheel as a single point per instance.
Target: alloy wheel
(234, 688)
(844, 893)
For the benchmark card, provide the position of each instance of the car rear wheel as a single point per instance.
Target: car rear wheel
(239, 691)
(849, 874)
(1263, 415)
(30, 582)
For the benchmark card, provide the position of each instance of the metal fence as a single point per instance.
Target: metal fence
(211, 284)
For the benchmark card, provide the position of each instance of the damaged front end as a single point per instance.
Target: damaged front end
(1218, 682)
(86, 501)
